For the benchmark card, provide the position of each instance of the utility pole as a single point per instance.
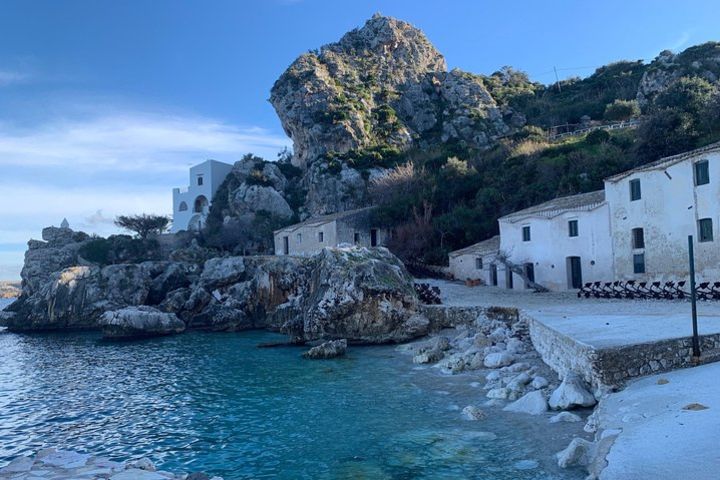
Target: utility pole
(557, 79)
(693, 302)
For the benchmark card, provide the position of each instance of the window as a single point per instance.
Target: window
(635, 192)
(638, 238)
(321, 237)
(356, 238)
(478, 263)
(200, 180)
(639, 263)
(182, 207)
(526, 233)
(705, 230)
(702, 172)
(298, 237)
(573, 228)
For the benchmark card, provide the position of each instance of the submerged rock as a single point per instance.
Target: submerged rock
(134, 322)
(329, 349)
(565, 417)
(571, 393)
(472, 412)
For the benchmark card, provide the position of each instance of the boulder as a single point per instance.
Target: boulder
(134, 322)
(472, 412)
(533, 403)
(539, 382)
(329, 349)
(571, 394)
(579, 453)
(499, 359)
(432, 351)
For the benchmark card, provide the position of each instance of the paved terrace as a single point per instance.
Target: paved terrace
(598, 323)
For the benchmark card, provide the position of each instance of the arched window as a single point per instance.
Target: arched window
(201, 204)
(182, 207)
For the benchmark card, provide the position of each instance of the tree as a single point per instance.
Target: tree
(622, 110)
(143, 225)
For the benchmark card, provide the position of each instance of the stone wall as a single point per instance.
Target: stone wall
(444, 316)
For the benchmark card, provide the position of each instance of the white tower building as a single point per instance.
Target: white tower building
(191, 205)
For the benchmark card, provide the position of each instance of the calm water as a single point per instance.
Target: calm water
(215, 402)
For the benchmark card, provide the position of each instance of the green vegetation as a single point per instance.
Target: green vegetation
(120, 249)
(143, 225)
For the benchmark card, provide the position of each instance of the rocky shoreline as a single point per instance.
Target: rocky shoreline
(68, 465)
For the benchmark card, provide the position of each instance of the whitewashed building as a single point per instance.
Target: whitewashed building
(191, 205)
(352, 227)
(559, 244)
(478, 262)
(653, 210)
(637, 228)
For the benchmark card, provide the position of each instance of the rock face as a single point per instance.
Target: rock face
(134, 322)
(326, 350)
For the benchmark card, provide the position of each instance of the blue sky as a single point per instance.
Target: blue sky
(104, 104)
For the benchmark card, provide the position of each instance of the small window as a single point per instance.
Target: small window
(702, 172)
(638, 238)
(356, 238)
(321, 237)
(526, 233)
(182, 207)
(635, 192)
(200, 180)
(298, 237)
(478, 263)
(639, 263)
(573, 228)
(705, 230)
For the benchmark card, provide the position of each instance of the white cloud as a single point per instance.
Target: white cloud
(9, 77)
(133, 141)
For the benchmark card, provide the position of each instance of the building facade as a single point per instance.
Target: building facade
(191, 205)
(353, 227)
(478, 262)
(637, 228)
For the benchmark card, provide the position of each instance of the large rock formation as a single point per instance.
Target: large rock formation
(364, 296)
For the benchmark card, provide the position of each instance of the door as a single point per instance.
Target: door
(373, 237)
(286, 245)
(529, 274)
(574, 272)
(493, 275)
(508, 278)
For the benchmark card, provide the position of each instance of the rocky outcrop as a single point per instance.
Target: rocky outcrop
(326, 350)
(381, 85)
(135, 322)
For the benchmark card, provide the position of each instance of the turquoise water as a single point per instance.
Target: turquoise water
(215, 402)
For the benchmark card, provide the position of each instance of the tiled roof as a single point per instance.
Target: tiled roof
(486, 246)
(666, 161)
(583, 201)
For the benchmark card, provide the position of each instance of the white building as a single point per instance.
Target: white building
(353, 227)
(653, 209)
(192, 204)
(559, 244)
(637, 228)
(478, 262)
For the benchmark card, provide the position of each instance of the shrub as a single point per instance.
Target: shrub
(120, 249)
(621, 110)
(596, 137)
(143, 225)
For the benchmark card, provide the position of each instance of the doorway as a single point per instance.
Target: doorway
(286, 245)
(508, 278)
(574, 269)
(373, 237)
(493, 275)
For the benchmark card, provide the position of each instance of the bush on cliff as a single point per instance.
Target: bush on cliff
(119, 249)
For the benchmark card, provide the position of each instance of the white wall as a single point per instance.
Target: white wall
(305, 240)
(668, 211)
(213, 173)
(464, 267)
(550, 245)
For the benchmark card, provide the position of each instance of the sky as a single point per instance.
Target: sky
(105, 104)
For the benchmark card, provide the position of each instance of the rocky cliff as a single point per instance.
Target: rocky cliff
(364, 296)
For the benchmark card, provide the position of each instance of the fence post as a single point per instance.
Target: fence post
(693, 301)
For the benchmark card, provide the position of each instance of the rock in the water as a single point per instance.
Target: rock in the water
(432, 351)
(472, 412)
(329, 349)
(133, 322)
(571, 393)
(499, 359)
(579, 452)
(533, 403)
(565, 417)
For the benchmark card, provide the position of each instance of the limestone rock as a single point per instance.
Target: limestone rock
(432, 351)
(134, 322)
(472, 412)
(329, 349)
(579, 452)
(565, 417)
(571, 393)
(499, 359)
(256, 198)
(533, 403)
